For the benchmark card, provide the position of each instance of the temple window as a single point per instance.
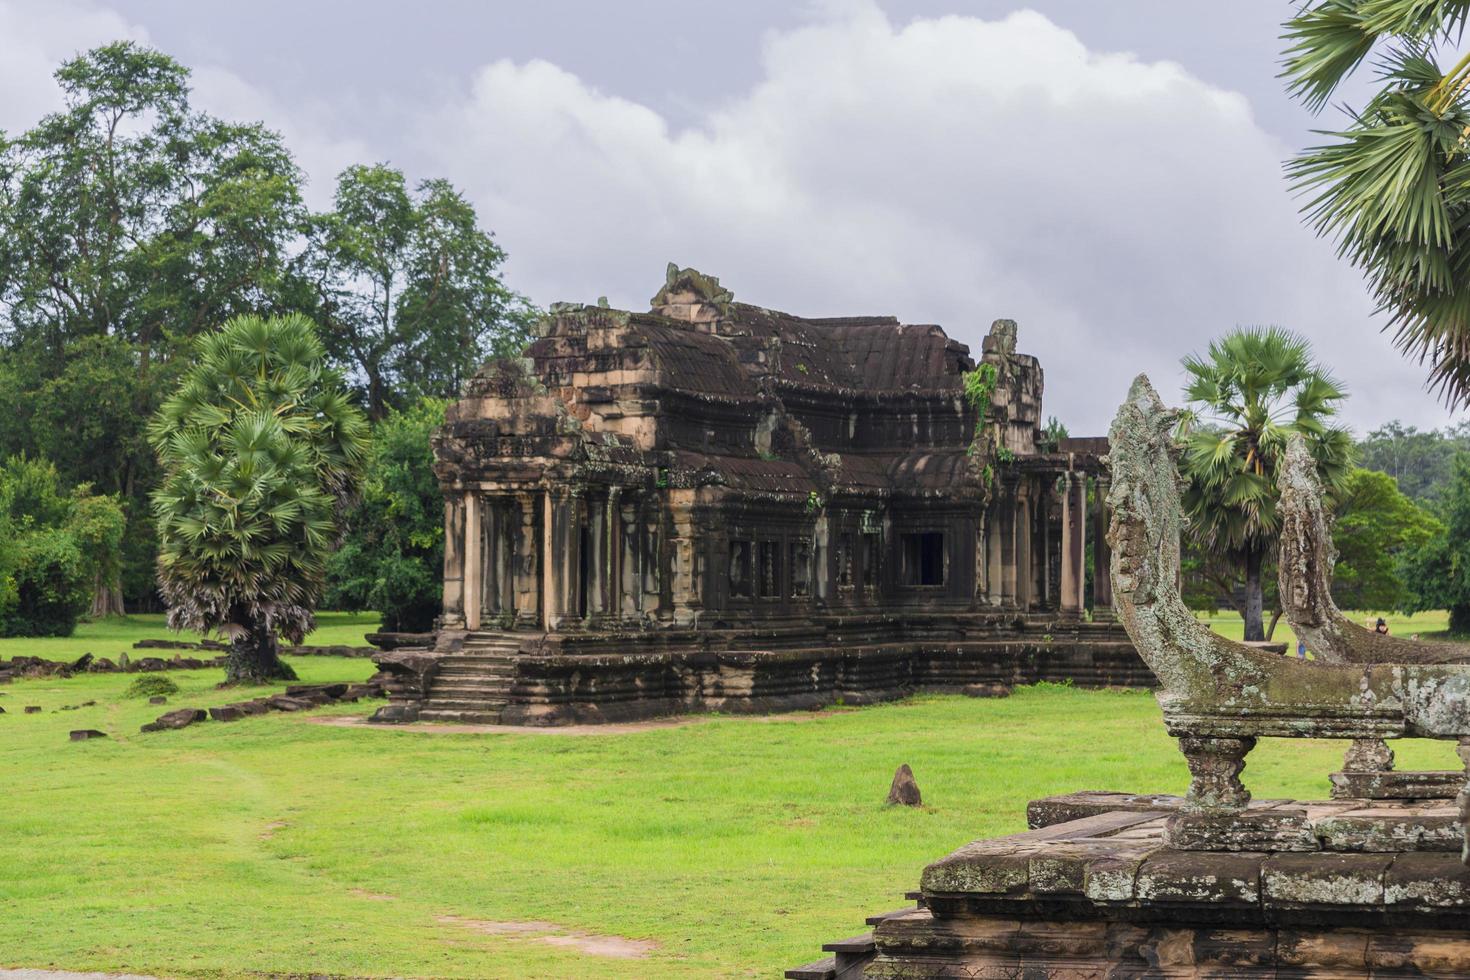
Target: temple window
(801, 567)
(740, 570)
(923, 558)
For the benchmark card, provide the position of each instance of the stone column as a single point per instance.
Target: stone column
(453, 617)
(1024, 577)
(474, 597)
(1074, 544)
(612, 560)
(1102, 578)
(992, 553)
(527, 563)
(1008, 543)
(686, 597)
(561, 557)
(1043, 507)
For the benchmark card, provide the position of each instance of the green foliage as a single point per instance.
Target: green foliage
(1419, 461)
(1376, 526)
(260, 447)
(1052, 435)
(393, 555)
(1391, 188)
(1251, 390)
(52, 585)
(1438, 572)
(410, 298)
(151, 686)
(979, 387)
(131, 222)
(59, 549)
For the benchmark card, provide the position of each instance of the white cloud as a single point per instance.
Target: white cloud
(34, 40)
(953, 170)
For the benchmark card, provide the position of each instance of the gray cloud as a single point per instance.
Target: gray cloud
(944, 168)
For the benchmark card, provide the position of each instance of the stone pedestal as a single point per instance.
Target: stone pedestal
(1098, 888)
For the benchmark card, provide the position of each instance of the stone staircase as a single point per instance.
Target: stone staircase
(473, 686)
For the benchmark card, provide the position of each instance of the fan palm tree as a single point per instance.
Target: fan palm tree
(1251, 390)
(261, 448)
(1393, 187)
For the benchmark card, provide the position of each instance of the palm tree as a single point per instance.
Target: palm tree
(1254, 388)
(261, 448)
(1392, 187)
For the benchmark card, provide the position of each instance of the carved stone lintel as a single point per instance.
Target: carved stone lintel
(1215, 764)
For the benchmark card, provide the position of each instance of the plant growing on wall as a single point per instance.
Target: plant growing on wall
(979, 387)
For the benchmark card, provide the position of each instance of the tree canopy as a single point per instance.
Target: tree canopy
(1252, 389)
(1391, 186)
(261, 450)
(131, 223)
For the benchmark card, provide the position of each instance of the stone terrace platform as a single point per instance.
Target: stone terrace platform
(1106, 885)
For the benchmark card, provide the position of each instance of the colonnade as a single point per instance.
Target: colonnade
(1024, 568)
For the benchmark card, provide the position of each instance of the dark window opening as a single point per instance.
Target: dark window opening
(740, 569)
(923, 558)
(801, 568)
(844, 561)
(770, 570)
(870, 561)
(584, 569)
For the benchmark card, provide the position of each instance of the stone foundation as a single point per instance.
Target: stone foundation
(568, 678)
(1096, 890)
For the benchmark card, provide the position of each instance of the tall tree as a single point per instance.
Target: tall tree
(1251, 390)
(1375, 527)
(408, 287)
(392, 556)
(129, 222)
(1392, 186)
(261, 449)
(1438, 573)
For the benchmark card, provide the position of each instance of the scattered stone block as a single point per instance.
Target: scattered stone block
(259, 706)
(182, 718)
(85, 734)
(158, 699)
(226, 713)
(283, 703)
(905, 790)
(33, 709)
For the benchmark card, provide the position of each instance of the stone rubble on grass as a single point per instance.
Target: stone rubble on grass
(298, 697)
(86, 734)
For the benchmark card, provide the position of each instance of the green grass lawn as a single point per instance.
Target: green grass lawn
(109, 637)
(738, 845)
(1428, 625)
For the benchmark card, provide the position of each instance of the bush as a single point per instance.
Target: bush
(152, 686)
(53, 585)
(392, 558)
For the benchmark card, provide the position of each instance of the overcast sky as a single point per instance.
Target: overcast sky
(1107, 174)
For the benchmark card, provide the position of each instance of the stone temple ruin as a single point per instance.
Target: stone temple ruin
(716, 506)
(1369, 884)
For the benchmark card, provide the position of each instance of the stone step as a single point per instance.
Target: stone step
(460, 693)
(476, 670)
(473, 680)
(470, 702)
(463, 717)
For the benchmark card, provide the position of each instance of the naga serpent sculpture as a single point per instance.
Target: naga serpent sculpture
(1219, 696)
(1304, 582)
